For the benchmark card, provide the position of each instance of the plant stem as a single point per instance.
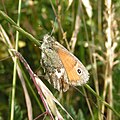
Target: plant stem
(105, 103)
(18, 28)
(15, 66)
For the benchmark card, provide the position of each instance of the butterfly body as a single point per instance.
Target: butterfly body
(62, 67)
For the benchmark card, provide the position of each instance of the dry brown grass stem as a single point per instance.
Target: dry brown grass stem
(76, 30)
(110, 45)
(59, 23)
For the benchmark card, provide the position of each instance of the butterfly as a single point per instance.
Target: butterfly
(62, 67)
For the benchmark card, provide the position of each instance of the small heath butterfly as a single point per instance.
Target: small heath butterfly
(62, 67)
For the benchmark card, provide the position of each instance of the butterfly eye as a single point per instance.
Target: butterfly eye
(79, 71)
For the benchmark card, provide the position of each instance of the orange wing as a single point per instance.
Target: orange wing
(69, 63)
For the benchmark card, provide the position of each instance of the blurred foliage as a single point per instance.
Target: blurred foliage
(38, 18)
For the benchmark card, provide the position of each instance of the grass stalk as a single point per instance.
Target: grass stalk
(105, 103)
(108, 85)
(94, 70)
(18, 28)
(21, 74)
(15, 66)
(90, 51)
(60, 25)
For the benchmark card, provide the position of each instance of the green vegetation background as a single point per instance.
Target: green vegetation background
(38, 18)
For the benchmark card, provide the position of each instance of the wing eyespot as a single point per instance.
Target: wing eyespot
(79, 71)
